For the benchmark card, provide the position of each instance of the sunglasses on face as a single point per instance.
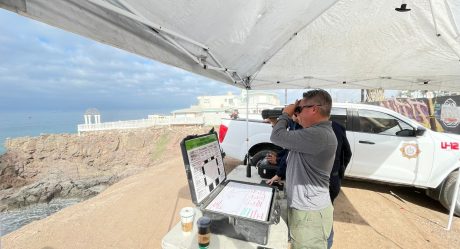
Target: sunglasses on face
(299, 109)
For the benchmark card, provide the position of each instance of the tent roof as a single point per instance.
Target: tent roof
(267, 44)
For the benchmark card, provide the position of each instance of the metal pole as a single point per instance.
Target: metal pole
(454, 202)
(248, 166)
(285, 97)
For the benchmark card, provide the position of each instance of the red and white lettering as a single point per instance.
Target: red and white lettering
(451, 145)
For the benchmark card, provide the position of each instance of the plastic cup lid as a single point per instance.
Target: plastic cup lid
(187, 212)
(203, 221)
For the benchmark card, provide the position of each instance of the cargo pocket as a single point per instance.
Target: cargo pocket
(306, 228)
(327, 218)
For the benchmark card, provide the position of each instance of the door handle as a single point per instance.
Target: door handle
(365, 142)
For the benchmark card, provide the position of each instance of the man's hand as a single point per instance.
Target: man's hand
(271, 158)
(273, 180)
(272, 121)
(289, 110)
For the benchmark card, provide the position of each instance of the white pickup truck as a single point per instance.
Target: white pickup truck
(386, 146)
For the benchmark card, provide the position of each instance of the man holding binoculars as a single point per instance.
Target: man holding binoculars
(310, 161)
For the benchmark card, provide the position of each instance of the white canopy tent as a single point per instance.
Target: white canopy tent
(269, 44)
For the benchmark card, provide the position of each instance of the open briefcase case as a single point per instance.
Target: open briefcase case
(239, 210)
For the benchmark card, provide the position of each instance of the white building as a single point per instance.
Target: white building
(213, 108)
(209, 111)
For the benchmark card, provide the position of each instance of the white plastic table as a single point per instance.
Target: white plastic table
(277, 237)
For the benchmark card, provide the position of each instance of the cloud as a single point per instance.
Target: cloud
(46, 68)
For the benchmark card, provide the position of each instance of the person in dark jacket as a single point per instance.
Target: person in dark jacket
(342, 158)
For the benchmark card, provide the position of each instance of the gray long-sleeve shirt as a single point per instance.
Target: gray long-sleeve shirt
(309, 164)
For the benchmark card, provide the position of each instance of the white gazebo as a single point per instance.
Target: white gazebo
(92, 114)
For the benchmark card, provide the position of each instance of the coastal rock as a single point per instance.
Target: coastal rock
(38, 169)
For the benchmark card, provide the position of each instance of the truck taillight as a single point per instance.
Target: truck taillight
(222, 132)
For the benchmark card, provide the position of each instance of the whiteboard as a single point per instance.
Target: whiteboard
(245, 200)
(206, 164)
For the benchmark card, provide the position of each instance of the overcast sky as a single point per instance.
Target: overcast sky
(44, 68)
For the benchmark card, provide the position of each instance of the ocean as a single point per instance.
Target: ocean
(33, 123)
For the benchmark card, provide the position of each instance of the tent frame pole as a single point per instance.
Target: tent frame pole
(167, 35)
(248, 164)
(454, 202)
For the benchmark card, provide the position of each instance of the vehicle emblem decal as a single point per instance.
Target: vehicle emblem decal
(410, 150)
(450, 113)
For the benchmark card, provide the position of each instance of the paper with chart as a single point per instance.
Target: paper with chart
(245, 200)
(206, 164)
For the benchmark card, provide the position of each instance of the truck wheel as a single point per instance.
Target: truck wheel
(259, 156)
(447, 192)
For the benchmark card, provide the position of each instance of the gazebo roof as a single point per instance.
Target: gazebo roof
(92, 111)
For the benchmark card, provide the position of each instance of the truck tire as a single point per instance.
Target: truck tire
(447, 192)
(259, 156)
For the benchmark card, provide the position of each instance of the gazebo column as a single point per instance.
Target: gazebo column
(92, 119)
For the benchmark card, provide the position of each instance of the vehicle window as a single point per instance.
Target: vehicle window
(339, 115)
(380, 123)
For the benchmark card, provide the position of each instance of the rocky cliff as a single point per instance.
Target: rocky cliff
(38, 169)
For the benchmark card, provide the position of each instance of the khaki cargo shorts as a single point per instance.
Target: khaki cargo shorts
(310, 229)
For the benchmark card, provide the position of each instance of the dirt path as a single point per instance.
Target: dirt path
(137, 211)
(369, 215)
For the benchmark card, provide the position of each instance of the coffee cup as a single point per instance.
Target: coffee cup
(186, 217)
